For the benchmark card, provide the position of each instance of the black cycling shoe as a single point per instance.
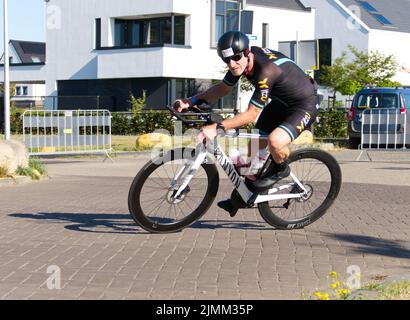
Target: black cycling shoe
(229, 207)
(272, 176)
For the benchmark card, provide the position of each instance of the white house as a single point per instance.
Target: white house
(168, 48)
(372, 25)
(27, 61)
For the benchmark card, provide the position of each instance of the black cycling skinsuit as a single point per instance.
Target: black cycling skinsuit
(294, 102)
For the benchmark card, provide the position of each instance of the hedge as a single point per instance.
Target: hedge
(141, 122)
(332, 124)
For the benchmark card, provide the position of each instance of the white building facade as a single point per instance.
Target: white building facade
(167, 47)
(371, 25)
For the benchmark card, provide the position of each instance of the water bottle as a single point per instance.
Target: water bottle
(257, 163)
(239, 162)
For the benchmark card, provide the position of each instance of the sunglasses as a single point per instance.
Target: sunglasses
(235, 57)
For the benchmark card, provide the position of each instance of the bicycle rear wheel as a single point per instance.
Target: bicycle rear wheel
(320, 174)
(150, 199)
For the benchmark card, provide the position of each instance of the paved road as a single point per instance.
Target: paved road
(78, 221)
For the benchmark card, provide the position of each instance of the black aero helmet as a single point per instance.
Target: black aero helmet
(232, 43)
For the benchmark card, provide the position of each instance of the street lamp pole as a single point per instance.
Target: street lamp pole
(6, 73)
(237, 108)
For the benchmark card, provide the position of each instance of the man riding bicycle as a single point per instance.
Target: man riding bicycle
(292, 108)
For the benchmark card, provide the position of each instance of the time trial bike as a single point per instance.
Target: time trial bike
(177, 187)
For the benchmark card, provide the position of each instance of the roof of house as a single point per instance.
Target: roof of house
(30, 52)
(282, 4)
(397, 12)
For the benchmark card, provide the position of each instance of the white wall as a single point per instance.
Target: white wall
(34, 91)
(70, 48)
(393, 43)
(335, 23)
(283, 25)
(71, 54)
(26, 73)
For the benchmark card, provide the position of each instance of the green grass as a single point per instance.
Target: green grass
(398, 290)
(35, 169)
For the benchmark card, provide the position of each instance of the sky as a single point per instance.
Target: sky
(27, 20)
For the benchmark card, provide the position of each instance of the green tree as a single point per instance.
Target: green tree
(12, 89)
(349, 76)
(138, 104)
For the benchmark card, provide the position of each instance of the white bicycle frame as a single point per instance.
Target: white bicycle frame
(237, 180)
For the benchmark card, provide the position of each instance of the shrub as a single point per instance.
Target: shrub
(332, 124)
(35, 169)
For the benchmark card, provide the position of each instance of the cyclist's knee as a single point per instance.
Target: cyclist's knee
(278, 140)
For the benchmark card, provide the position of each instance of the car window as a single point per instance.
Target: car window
(407, 100)
(372, 100)
(389, 101)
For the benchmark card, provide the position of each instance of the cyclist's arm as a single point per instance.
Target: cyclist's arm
(244, 118)
(214, 93)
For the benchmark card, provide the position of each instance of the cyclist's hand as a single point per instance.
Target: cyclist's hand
(207, 132)
(181, 104)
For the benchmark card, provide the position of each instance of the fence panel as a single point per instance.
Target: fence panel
(384, 129)
(67, 132)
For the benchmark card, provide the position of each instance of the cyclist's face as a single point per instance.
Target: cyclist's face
(237, 67)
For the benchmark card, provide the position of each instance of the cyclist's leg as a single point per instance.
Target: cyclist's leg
(270, 118)
(296, 120)
(289, 123)
(278, 142)
(272, 114)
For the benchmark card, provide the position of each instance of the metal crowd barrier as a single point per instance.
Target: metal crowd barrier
(67, 132)
(384, 129)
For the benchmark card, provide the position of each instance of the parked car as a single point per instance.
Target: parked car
(390, 101)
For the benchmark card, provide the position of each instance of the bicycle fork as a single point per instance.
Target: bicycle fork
(192, 167)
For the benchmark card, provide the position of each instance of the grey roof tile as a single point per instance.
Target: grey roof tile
(27, 50)
(396, 11)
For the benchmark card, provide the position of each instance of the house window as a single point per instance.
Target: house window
(18, 91)
(185, 87)
(135, 33)
(25, 91)
(179, 30)
(226, 17)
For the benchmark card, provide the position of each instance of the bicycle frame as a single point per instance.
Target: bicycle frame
(236, 179)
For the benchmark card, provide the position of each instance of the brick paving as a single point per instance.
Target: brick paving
(81, 224)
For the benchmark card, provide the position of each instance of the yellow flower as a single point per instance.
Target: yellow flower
(336, 285)
(322, 295)
(334, 275)
(343, 292)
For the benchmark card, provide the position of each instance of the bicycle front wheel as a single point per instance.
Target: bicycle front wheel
(151, 199)
(320, 174)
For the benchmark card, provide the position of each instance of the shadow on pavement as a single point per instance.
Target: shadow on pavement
(230, 224)
(376, 246)
(123, 223)
(88, 222)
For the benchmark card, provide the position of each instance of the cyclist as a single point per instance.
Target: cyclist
(284, 103)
